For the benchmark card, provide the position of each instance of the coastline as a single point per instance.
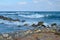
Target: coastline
(38, 29)
(38, 33)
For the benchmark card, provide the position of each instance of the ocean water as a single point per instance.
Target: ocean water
(29, 17)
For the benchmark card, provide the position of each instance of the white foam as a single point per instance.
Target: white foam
(10, 23)
(32, 16)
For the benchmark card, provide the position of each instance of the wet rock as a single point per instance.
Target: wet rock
(54, 24)
(34, 25)
(25, 24)
(43, 26)
(1, 17)
(9, 19)
(19, 26)
(40, 23)
(2, 23)
(23, 21)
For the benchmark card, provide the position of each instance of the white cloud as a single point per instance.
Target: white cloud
(22, 3)
(50, 3)
(43, 1)
(35, 1)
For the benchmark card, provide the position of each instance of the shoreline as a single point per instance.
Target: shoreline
(29, 35)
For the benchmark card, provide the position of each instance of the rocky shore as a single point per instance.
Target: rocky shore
(40, 32)
(31, 35)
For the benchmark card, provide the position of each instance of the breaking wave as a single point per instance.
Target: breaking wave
(34, 16)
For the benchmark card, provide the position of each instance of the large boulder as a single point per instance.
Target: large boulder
(40, 23)
(54, 26)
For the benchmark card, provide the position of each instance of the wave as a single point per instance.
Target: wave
(9, 22)
(40, 16)
(32, 16)
(35, 15)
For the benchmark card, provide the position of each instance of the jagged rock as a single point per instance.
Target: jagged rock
(43, 26)
(40, 23)
(54, 24)
(34, 25)
(25, 24)
(9, 19)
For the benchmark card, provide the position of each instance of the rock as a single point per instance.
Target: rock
(2, 23)
(23, 20)
(9, 19)
(40, 23)
(54, 24)
(19, 26)
(5, 35)
(1, 37)
(57, 33)
(9, 38)
(34, 25)
(36, 31)
(43, 26)
(25, 24)
(29, 31)
(1, 17)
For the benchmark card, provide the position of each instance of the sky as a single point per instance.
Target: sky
(29, 5)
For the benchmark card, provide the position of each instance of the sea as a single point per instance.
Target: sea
(30, 17)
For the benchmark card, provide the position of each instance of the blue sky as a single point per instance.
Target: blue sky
(29, 5)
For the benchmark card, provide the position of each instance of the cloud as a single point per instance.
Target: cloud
(42, 1)
(33, 5)
(50, 3)
(22, 3)
(36, 1)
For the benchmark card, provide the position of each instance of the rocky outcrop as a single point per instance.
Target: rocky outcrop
(40, 24)
(9, 19)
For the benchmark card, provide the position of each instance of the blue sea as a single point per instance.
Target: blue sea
(30, 17)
